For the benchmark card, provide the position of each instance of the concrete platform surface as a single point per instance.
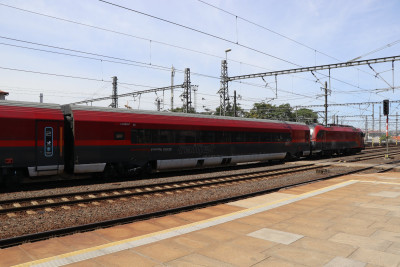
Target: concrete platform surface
(347, 221)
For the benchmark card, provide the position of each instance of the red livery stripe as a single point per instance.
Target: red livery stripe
(23, 143)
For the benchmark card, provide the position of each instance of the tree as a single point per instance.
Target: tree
(183, 110)
(306, 115)
(382, 138)
(267, 111)
(230, 112)
(282, 112)
(261, 111)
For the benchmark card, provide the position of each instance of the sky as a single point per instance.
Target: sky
(69, 50)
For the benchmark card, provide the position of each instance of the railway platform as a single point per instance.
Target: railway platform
(348, 221)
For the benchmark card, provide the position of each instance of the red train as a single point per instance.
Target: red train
(336, 139)
(48, 139)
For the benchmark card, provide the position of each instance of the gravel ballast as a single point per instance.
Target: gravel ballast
(23, 223)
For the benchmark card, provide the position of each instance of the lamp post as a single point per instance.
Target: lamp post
(226, 54)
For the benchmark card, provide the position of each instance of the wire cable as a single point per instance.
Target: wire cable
(199, 31)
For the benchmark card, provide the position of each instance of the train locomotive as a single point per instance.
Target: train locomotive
(49, 139)
(336, 139)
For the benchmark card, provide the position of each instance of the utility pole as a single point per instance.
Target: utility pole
(158, 105)
(366, 126)
(234, 104)
(326, 104)
(41, 97)
(380, 116)
(373, 118)
(397, 118)
(172, 87)
(114, 103)
(187, 95)
(195, 88)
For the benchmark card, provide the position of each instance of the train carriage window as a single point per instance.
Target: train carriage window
(119, 136)
(275, 137)
(252, 136)
(206, 137)
(154, 135)
(265, 137)
(146, 136)
(166, 136)
(227, 137)
(219, 137)
(186, 137)
(238, 137)
(287, 137)
(190, 137)
(138, 136)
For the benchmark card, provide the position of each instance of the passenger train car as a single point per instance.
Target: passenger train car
(48, 139)
(120, 140)
(31, 139)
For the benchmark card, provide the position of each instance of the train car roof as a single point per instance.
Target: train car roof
(29, 104)
(30, 110)
(68, 109)
(334, 127)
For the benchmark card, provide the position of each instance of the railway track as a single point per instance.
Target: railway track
(81, 228)
(364, 156)
(82, 199)
(374, 156)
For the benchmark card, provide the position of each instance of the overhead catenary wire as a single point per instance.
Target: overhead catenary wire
(205, 33)
(140, 64)
(128, 35)
(268, 29)
(376, 50)
(146, 39)
(288, 38)
(200, 31)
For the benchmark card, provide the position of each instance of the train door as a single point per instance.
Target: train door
(49, 148)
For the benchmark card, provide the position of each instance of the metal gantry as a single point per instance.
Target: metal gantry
(114, 103)
(224, 91)
(187, 92)
(346, 104)
(136, 93)
(316, 68)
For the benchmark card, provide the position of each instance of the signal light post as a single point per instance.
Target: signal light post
(386, 113)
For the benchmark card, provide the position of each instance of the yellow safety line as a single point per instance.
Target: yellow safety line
(73, 253)
(379, 182)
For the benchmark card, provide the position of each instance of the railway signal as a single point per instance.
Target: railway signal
(386, 107)
(386, 113)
